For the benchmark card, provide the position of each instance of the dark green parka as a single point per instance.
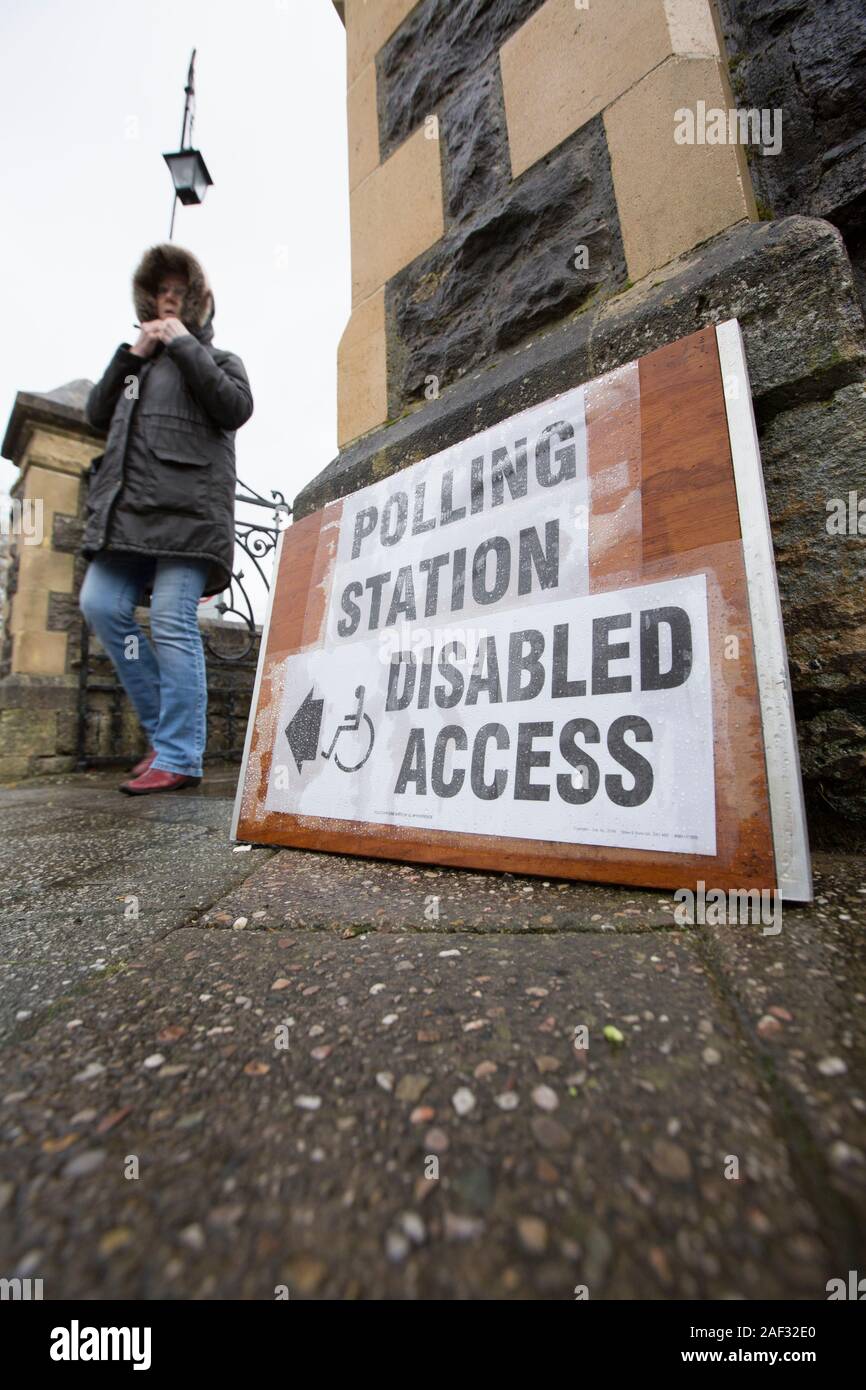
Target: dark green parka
(165, 484)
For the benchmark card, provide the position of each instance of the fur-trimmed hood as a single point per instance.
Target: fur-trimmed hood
(198, 304)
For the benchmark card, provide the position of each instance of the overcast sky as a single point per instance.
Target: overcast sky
(91, 95)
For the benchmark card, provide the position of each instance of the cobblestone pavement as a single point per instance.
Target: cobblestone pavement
(226, 1071)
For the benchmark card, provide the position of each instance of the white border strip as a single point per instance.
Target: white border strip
(787, 812)
(254, 703)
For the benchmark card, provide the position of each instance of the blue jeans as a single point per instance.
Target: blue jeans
(165, 677)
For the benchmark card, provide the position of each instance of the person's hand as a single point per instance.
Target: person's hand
(150, 335)
(172, 328)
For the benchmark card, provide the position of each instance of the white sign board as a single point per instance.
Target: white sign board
(470, 682)
(590, 724)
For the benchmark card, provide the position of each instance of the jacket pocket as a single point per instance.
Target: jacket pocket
(89, 473)
(180, 457)
(178, 445)
(92, 481)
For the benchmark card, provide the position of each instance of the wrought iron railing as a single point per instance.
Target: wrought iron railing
(230, 641)
(257, 540)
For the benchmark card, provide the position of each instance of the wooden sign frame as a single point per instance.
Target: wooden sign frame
(685, 446)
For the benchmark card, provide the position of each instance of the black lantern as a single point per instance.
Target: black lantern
(189, 174)
(188, 170)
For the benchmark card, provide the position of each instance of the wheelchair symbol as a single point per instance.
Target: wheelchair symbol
(352, 725)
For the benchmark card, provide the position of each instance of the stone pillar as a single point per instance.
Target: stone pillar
(51, 443)
(525, 217)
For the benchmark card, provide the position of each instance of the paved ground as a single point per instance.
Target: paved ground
(228, 1071)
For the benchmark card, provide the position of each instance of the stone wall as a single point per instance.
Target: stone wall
(809, 60)
(510, 163)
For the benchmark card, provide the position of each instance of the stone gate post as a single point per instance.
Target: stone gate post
(51, 443)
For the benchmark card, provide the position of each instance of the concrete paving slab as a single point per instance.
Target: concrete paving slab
(85, 885)
(710, 1147)
(220, 780)
(38, 861)
(346, 893)
(801, 995)
(186, 806)
(649, 1167)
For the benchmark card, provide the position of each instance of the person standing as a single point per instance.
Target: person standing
(160, 508)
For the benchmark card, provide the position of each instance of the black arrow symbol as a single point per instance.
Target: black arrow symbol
(304, 728)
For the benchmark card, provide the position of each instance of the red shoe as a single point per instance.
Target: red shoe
(144, 763)
(155, 780)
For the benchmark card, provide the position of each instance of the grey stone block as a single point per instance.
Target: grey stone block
(507, 270)
(430, 54)
(809, 61)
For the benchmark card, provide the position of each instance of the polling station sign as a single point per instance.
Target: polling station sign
(551, 647)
